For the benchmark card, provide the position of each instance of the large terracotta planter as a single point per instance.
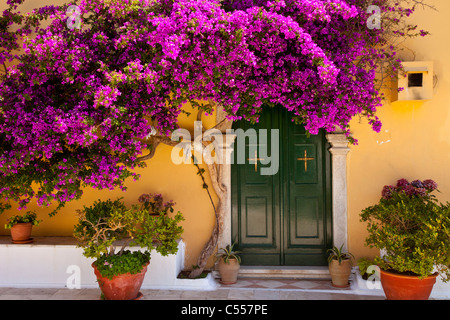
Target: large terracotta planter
(340, 272)
(121, 287)
(21, 232)
(228, 271)
(402, 287)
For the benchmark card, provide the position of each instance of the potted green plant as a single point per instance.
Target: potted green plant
(412, 230)
(21, 227)
(340, 266)
(229, 263)
(108, 225)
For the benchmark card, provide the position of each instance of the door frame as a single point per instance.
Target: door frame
(282, 244)
(339, 150)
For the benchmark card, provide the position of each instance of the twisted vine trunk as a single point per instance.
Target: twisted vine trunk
(211, 245)
(207, 251)
(215, 173)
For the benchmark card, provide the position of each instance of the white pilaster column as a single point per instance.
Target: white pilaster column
(339, 150)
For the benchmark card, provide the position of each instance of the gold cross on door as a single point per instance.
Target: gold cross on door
(256, 159)
(306, 159)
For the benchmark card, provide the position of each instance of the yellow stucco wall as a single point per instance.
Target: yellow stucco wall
(414, 142)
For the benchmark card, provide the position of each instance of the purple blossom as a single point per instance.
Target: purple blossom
(144, 198)
(421, 192)
(387, 191)
(402, 183)
(415, 188)
(417, 184)
(409, 190)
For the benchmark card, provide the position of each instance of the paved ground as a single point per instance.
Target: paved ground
(243, 290)
(219, 294)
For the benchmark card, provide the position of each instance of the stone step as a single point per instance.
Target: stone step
(283, 272)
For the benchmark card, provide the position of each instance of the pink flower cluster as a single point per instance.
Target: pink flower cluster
(155, 203)
(414, 188)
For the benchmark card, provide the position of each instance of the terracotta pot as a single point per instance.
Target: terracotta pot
(228, 271)
(121, 287)
(21, 231)
(402, 287)
(340, 273)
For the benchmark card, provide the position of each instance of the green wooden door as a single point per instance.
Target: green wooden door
(282, 218)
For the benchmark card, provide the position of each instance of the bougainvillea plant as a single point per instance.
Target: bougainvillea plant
(85, 90)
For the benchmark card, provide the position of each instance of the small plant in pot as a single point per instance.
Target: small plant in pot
(340, 266)
(108, 229)
(228, 265)
(412, 230)
(21, 227)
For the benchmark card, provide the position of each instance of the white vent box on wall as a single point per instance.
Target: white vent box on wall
(416, 81)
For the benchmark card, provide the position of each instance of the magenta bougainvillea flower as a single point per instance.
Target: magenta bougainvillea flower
(78, 102)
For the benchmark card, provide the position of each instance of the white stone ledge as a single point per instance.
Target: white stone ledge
(52, 262)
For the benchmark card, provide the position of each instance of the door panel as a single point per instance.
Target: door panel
(257, 221)
(305, 226)
(256, 202)
(305, 209)
(305, 163)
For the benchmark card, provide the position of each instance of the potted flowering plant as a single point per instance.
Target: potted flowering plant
(107, 225)
(21, 227)
(412, 229)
